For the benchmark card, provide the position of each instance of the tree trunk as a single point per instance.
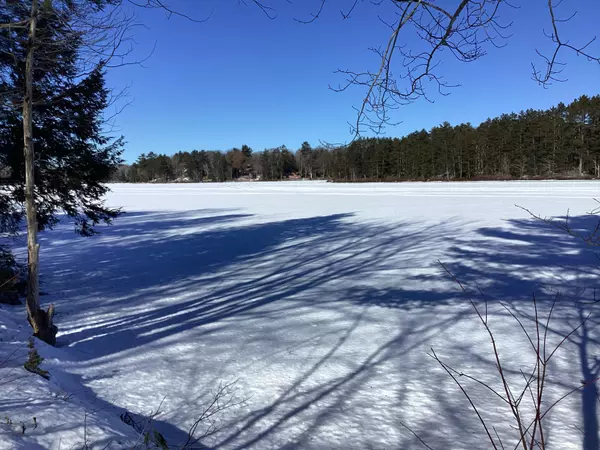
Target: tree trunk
(581, 153)
(40, 320)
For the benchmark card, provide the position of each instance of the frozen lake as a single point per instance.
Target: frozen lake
(322, 301)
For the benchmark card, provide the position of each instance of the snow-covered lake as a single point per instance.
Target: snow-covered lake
(322, 302)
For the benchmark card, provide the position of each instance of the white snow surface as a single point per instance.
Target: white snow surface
(321, 302)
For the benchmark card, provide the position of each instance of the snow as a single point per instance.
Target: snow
(320, 301)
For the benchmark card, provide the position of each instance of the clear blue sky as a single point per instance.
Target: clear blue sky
(241, 78)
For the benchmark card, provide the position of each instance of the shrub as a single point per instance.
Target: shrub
(34, 360)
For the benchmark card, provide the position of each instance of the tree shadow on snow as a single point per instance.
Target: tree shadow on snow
(528, 258)
(152, 276)
(148, 261)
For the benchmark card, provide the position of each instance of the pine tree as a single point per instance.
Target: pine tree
(53, 110)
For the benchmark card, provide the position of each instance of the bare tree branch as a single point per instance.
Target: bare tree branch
(160, 4)
(462, 28)
(552, 66)
(20, 24)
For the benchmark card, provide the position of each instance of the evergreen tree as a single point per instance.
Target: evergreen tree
(74, 158)
(561, 141)
(54, 153)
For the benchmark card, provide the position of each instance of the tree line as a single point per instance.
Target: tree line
(563, 141)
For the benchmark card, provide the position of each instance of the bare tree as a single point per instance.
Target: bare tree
(464, 28)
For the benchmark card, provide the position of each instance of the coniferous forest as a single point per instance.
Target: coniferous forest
(562, 142)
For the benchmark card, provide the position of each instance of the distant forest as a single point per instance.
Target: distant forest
(562, 142)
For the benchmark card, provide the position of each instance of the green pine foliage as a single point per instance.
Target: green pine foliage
(74, 157)
(562, 142)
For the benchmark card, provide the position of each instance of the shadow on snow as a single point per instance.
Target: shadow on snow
(152, 276)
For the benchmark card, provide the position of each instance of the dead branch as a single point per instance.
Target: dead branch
(222, 399)
(553, 67)
(591, 237)
(463, 30)
(530, 435)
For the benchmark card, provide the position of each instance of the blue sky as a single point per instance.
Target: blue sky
(241, 78)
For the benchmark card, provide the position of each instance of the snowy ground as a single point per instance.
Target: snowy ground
(321, 300)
